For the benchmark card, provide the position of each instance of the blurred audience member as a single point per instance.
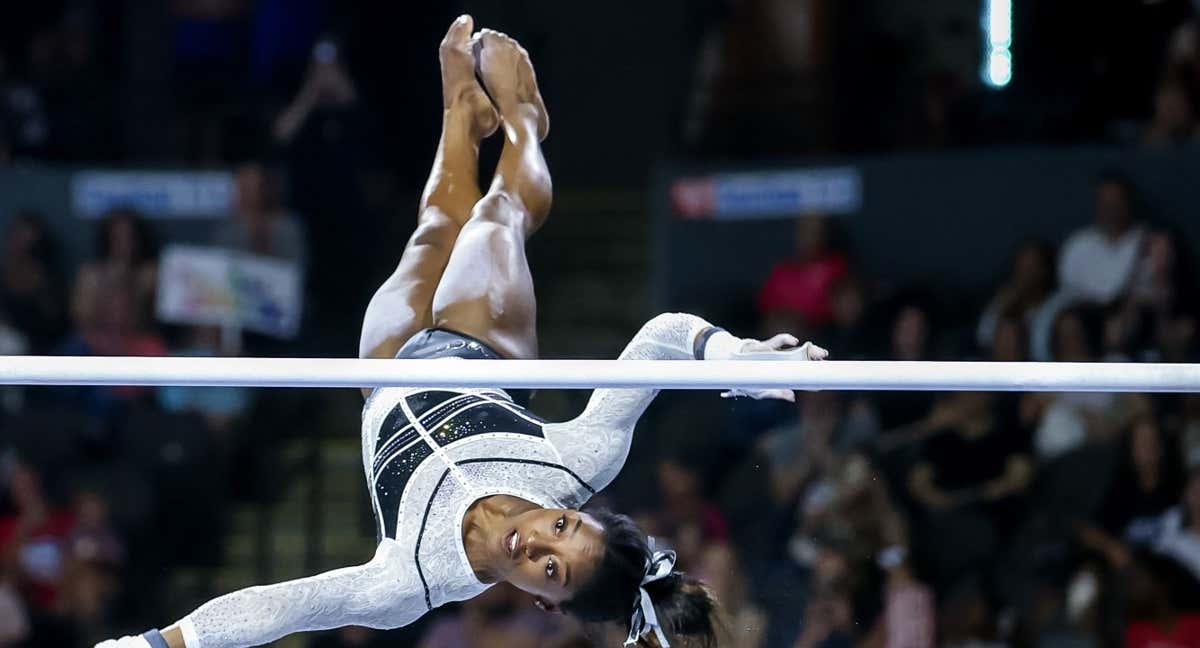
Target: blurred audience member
(220, 406)
(116, 330)
(909, 618)
(910, 335)
(691, 522)
(967, 484)
(1178, 534)
(327, 88)
(744, 620)
(1097, 263)
(1066, 421)
(1157, 321)
(828, 620)
(260, 223)
(31, 291)
(1010, 341)
(1174, 118)
(1154, 618)
(125, 254)
(801, 286)
(829, 427)
(1147, 481)
(1024, 296)
(33, 540)
(847, 334)
(968, 619)
(95, 554)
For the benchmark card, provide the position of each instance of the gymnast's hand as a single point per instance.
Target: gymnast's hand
(779, 347)
(125, 642)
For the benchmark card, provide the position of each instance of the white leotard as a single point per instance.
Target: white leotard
(428, 455)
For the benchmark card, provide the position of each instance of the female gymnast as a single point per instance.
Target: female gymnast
(468, 488)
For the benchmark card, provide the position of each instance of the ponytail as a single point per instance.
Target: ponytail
(684, 607)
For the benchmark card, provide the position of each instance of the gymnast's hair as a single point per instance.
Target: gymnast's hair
(685, 607)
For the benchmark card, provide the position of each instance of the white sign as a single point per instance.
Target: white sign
(157, 194)
(218, 287)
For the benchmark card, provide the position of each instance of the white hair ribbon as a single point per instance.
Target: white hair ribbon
(645, 619)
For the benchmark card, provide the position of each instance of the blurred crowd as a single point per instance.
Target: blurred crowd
(172, 457)
(919, 519)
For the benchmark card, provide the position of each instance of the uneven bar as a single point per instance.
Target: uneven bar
(588, 374)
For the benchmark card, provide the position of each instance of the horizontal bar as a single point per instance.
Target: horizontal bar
(588, 374)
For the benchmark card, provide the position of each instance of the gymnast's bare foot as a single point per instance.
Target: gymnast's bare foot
(460, 90)
(508, 74)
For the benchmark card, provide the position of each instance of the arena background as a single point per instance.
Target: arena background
(894, 180)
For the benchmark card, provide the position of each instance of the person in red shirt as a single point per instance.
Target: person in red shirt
(1155, 617)
(801, 286)
(33, 540)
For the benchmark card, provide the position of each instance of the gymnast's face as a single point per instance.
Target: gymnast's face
(549, 553)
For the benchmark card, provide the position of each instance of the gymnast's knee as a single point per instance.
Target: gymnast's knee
(499, 208)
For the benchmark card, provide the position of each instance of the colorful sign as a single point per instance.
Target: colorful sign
(218, 287)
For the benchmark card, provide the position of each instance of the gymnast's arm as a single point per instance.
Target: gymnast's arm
(376, 594)
(598, 439)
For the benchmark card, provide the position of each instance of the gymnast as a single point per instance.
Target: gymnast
(469, 488)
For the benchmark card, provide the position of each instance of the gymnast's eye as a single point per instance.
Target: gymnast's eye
(550, 568)
(560, 524)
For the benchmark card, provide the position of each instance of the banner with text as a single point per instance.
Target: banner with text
(738, 196)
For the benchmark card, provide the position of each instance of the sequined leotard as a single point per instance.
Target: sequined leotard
(428, 455)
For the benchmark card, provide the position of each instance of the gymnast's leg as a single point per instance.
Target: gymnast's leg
(403, 304)
(486, 290)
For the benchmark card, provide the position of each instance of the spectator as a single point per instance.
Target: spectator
(220, 406)
(33, 540)
(691, 522)
(115, 331)
(327, 88)
(846, 334)
(1010, 341)
(968, 484)
(968, 619)
(125, 254)
(95, 555)
(1064, 422)
(31, 292)
(1155, 619)
(1178, 535)
(911, 332)
(1147, 480)
(1097, 263)
(1158, 319)
(828, 427)
(1024, 296)
(745, 620)
(261, 224)
(1174, 119)
(801, 286)
(909, 618)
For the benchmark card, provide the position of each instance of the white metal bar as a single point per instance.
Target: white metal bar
(587, 374)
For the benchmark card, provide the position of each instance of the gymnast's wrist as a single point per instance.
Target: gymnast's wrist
(715, 343)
